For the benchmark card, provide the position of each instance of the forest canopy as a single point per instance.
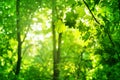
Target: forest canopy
(59, 40)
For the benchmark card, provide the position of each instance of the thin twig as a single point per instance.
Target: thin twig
(91, 12)
(25, 34)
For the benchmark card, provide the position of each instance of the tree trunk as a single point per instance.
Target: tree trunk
(55, 58)
(58, 55)
(18, 38)
(59, 48)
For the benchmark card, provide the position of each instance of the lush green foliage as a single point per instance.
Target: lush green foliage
(90, 44)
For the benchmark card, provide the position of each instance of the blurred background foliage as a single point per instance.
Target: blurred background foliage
(90, 50)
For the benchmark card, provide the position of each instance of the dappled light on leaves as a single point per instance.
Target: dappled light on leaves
(60, 40)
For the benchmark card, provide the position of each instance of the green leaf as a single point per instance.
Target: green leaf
(86, 36)
(60, 26)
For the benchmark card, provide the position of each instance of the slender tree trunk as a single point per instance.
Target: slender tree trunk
(18, 38)
(58, 54)
(59, 47)
(54, 42)
(55, 56)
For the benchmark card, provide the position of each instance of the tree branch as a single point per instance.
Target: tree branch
(91, 12)
(109, 36)
(25, 34)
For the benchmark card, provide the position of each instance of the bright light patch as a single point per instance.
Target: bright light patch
(37, 38)
(49, 11)
(35, 19)
(37, 26)
(48, 35)
(62, 42)
(48, 24)
(85, 21)
(68, 9)
(41, 37)
(87, 11)
(97, 8)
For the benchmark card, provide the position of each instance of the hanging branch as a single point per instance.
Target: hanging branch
(109, 36)
(91, 12)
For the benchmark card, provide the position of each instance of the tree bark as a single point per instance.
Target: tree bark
(58, 54)
(59, 47)
(55, 52)
(18, 39)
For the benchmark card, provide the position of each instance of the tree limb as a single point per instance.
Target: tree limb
(109, 36)
(25, 34)
(91, 12)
